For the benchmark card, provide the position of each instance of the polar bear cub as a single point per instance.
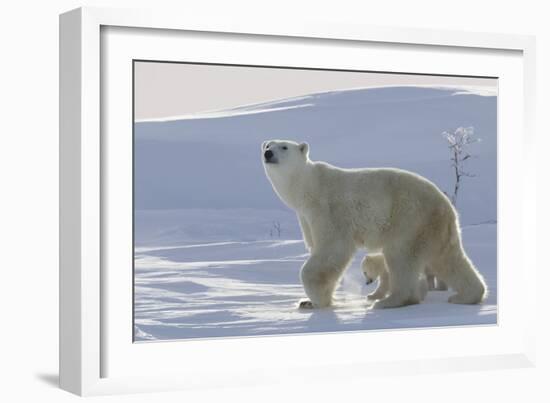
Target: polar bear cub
(374, 268)
(396, 213)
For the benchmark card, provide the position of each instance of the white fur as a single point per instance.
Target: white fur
(389, 211)
(374, 268)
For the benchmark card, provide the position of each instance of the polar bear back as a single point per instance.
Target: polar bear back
(376, 204)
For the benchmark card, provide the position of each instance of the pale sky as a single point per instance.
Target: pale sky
(165, 90)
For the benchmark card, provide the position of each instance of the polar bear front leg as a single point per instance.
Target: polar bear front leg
(405, 287)
(306, 232)
(320, 275)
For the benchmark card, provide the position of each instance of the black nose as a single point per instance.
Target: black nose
(268, 154)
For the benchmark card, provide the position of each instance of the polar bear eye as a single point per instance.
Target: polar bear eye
(285, 147)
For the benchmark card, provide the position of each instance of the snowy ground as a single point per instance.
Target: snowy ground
(247, 288)
(209, 260)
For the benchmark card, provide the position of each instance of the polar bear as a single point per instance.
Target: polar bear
(374, 268)
(396, 213)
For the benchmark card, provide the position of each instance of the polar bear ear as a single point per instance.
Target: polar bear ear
(304, 148)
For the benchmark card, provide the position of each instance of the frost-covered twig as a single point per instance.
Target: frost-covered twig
(458, 141)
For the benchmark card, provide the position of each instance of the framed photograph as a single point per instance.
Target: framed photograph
(236, 195)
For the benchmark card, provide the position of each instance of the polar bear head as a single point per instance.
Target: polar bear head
(285, 165)
(373, 267)
(284, 155)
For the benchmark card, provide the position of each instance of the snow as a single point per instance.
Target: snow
(390, 126)
(251, 288)
(209, 261)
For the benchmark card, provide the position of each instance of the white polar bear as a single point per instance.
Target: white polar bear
(389, 211)
(374, 268)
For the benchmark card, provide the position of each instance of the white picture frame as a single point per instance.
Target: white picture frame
(85, 344)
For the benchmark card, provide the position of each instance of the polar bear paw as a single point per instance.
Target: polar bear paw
(375, 295)
(464, 299)
(305, 304)
(387, 302)
(394, 301)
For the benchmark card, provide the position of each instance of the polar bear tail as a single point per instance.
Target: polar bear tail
(458, 271)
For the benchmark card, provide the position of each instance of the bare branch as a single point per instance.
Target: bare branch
(467, 174)
(457, 141)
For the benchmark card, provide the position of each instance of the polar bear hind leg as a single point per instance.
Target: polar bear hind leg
(456, 270)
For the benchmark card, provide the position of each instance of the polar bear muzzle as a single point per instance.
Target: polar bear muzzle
(269, 157)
